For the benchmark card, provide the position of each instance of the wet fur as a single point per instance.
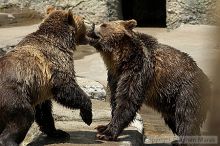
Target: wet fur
(141, 70)
(40, 68)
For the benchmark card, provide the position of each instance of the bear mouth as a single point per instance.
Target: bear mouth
(93, 38)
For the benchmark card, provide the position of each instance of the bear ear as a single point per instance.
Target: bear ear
(50, 9)
(130, 24)
(70, 18)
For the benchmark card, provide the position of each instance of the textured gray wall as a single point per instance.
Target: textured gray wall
(190, 11)
(178, 11)
(96, 10)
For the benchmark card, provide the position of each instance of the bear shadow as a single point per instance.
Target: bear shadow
(159, 144)
(88, 137)
(76, 137)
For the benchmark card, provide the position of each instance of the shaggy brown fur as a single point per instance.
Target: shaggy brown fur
(141, 70)
(41, 68)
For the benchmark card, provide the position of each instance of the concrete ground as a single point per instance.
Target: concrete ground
(82, 134)
(198, 41)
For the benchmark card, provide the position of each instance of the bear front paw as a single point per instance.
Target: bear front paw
(86, 116)
(106, 133)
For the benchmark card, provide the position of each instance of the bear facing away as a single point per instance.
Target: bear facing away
(141, 70)
(41, 68)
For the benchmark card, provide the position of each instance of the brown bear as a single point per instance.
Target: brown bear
(39, 69)
(141, 70)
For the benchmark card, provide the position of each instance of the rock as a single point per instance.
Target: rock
(177, 11)
(95, 10)
(6, 18)
(15, 16)
(94, 89)
(190, 11)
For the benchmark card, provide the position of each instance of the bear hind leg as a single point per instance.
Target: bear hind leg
(44, 118)
(184, 130)
(17, 126)
(187, 119)
(187, 116)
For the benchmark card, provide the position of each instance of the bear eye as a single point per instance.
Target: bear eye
(104, 25)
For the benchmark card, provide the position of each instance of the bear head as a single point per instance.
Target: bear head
(107, 36)
(81, 26)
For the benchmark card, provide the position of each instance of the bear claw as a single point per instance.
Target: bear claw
(105, 137)
(105, 134)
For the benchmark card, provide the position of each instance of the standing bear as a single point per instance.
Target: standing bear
(41, 68)
(141, 70)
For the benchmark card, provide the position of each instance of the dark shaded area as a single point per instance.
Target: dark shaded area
(88, 138)
(158, 144)
(148, 13)
(76, 137)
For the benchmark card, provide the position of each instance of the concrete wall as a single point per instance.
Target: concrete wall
(178, 11)
(96, 10)
(190, 11)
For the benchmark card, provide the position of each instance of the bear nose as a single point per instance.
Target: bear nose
(97, 31)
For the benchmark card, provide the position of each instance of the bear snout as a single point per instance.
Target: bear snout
(94, 36)
(97, 31)
(90, 26)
